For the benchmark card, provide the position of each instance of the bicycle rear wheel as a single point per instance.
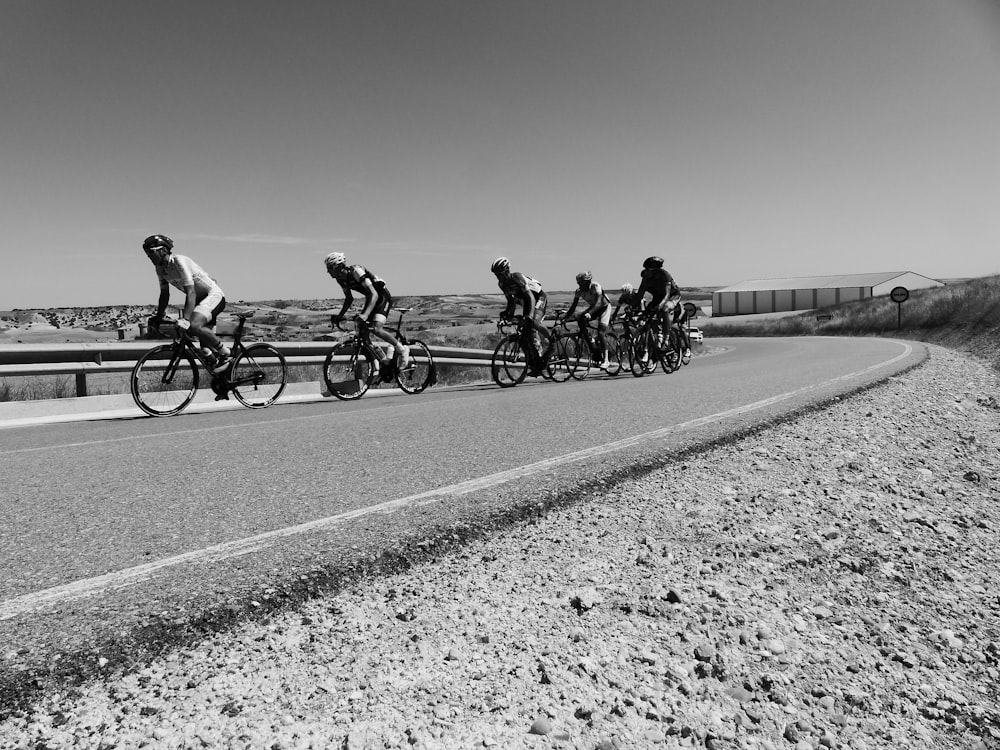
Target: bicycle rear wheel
(164, 380)
(420, 372)
(614, 354)
(558, 367)
(508, 365)
(258, 376)
(349, 369)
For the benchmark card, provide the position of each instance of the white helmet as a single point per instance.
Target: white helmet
(334, 260)
(627, 288)
(500, 265)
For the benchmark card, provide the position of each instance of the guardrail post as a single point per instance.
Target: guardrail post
(81, 384)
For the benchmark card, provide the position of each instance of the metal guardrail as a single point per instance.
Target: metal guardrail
(82, 360)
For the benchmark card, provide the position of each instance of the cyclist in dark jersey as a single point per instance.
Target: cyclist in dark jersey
(378, 302)
(598, 308)
(665, 301)
(519, 288)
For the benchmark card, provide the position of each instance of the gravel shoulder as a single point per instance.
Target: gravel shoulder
(829, 582)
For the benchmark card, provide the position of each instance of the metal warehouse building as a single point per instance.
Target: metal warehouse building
(810, 292)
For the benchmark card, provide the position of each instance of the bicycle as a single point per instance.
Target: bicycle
(351, 368)
(584, 354)
(165, 379)
(646, 351)
(511, 362)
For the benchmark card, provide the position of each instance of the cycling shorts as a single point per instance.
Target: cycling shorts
(211, 305)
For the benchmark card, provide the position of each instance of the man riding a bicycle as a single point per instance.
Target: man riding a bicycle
(378, 302)
(665, 299)
(517, 287)
(203, 300)
(631, 301)
(598, 308)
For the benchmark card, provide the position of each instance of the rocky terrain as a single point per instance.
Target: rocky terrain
(829, 582)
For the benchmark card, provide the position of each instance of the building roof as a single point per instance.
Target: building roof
(817, 282)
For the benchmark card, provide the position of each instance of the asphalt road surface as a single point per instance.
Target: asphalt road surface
(115, 531)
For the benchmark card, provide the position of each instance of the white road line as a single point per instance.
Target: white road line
(26, 603)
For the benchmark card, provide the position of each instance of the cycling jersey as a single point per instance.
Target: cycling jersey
(352, 278)
(660, 284)
(180, 272)
(595, 298)
(520, 288)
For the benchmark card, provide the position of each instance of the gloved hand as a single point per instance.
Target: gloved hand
(183, 324)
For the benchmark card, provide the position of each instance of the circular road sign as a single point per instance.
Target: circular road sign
(899, 294)
(691, 309)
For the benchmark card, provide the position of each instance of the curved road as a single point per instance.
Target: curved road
(108, 524)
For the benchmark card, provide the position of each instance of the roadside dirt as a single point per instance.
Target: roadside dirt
(828, 583)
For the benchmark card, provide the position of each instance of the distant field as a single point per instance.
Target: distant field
(277, 320)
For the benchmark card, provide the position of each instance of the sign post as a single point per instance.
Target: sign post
(899, 295)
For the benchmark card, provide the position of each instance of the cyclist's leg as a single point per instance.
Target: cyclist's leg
(203, 321)
(377, 324)
(603, 323)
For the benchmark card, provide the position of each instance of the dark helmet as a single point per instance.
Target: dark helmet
(584, 277)
(157, 240)
(653, 261)
(500, 265)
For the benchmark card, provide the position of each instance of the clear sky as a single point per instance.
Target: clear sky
(739, 139)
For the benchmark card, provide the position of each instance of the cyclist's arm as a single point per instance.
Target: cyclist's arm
(190, 301)
(161, 303)
(572, 306)
(371, 297)
(348, 299)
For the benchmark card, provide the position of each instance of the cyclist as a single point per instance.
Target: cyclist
(203, 299)
(599, 309)
(629, 299)
(378, 302)
(517, 287)
(666, 297)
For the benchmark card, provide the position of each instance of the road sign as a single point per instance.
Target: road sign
(691, 309)
(899, 294)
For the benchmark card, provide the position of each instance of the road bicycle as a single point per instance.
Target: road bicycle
(584, 353)
(516, 356)
(646, 350)
(165, 379)
(352, 366)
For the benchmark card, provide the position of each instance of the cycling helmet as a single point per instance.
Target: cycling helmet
(653, 261)
(157, 240)
(584, 277)
(627, 288)
(334, 260)
(500, 265)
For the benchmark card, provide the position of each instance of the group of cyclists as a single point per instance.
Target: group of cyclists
(663, 307)
(204, 301)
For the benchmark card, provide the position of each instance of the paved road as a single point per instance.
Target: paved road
(110, 525)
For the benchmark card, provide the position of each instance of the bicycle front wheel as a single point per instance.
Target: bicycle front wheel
(508, 366)
(558, 366)
(579, 357)
(258, 376)
(164, 380)
(349, 369)
(416, 376)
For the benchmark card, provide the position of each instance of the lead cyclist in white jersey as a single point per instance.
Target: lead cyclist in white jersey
(203, 300)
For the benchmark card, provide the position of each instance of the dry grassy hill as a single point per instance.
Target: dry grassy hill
(278, 320)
